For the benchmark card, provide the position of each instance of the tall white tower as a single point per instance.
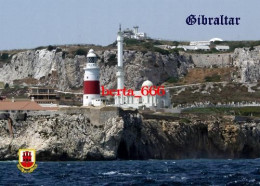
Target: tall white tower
(120, 70)
(91, 79)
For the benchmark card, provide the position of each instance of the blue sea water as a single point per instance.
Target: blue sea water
(151, 172)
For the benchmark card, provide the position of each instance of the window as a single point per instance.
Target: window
(91, 59)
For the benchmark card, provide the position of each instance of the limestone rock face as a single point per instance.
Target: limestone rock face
(46, 67)
(55, 69)
(128, 135)
(65, 72)
(212, 138)
(28, 64)
(63, 137)
(139, 67)
(248, 63)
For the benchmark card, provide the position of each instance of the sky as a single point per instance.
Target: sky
(34, 23)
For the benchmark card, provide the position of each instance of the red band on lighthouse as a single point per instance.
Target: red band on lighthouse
(91, 87)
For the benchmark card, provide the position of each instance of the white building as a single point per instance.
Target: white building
(197, 47)
(222, 47)
(186, 47)
(165, 47)
(194, 43)
(137, 100)
(201, 47)
(134, 34)
(204, 43)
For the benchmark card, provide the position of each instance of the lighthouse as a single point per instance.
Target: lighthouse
(91, 86)
(120, 71)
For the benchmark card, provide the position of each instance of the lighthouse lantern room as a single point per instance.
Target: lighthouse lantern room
(91, 86)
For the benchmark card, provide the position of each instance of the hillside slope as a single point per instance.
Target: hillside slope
(59, 69)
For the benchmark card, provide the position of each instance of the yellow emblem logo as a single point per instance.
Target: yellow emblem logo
(27, 159)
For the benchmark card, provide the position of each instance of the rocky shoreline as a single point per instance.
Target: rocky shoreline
(112, 133)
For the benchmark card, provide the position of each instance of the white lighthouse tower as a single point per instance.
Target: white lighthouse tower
(120, 70)
(91, 86)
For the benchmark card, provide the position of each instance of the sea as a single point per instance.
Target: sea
(148, 172)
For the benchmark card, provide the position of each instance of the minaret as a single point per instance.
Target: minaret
(120, 71)
(91, 79)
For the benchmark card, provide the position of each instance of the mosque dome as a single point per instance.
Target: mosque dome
(147, 83)
(91, 53)
(215, 39)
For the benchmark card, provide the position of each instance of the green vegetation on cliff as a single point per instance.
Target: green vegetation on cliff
(147, 45)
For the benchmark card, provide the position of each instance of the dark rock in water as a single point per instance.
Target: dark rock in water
(111, 133)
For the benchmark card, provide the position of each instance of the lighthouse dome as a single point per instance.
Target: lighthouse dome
(147, 83)
(91, 53)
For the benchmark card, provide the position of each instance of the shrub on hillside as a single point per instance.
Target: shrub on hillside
(81, 52)
(4, 56)
(251, 48)
(157, 43)
(132, 41)
(161, 51)
(40, 48)
(6, 86)
(213, 78)
(175, 51)
(175, 43)
(64, 53)
(148, 46)
(172, 80)
(112, 60)
(50, 47)
(58, 50)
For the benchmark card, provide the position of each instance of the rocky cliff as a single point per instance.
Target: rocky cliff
(106, 134)
(248, 62)
(57, 69)
(60, 69)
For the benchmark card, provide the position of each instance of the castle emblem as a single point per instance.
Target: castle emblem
(27, 159)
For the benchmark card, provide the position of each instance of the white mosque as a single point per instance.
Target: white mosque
(138, 100)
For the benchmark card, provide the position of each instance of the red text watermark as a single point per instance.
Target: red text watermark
(145, 91)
